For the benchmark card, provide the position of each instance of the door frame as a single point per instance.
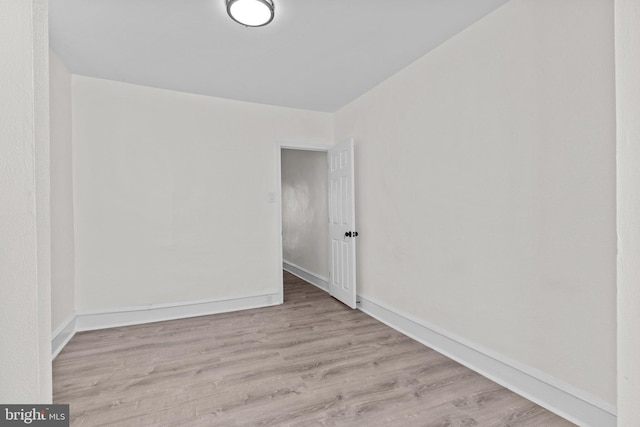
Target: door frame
(278, 199)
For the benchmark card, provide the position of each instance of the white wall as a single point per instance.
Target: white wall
(304, 210)
(25, 340)
(62, 234)
(485, 181)
(172, 194)
(627, 35)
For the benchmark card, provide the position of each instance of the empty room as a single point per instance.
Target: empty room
(280, 212)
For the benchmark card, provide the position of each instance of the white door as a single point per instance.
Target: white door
(342, 224)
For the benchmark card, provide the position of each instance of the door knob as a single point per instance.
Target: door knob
(347, 234)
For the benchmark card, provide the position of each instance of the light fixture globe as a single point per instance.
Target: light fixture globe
(251, 13)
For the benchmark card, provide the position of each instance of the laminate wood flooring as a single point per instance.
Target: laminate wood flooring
(311, 361)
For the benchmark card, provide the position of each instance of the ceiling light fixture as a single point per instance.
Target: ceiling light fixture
(251, 13)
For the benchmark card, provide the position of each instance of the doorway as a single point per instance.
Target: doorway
(304, 232)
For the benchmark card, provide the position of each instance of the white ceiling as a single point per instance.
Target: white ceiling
(315, 55)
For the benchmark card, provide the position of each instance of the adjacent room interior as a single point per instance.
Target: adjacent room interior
(497, 228)
(304, 201)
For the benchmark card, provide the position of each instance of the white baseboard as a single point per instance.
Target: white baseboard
(62, 335)
(318, 280)
(550, 393)
(88, 321)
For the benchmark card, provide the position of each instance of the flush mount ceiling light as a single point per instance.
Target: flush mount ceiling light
(251, 13)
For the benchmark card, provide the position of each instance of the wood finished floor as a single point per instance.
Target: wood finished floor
(310, 361)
